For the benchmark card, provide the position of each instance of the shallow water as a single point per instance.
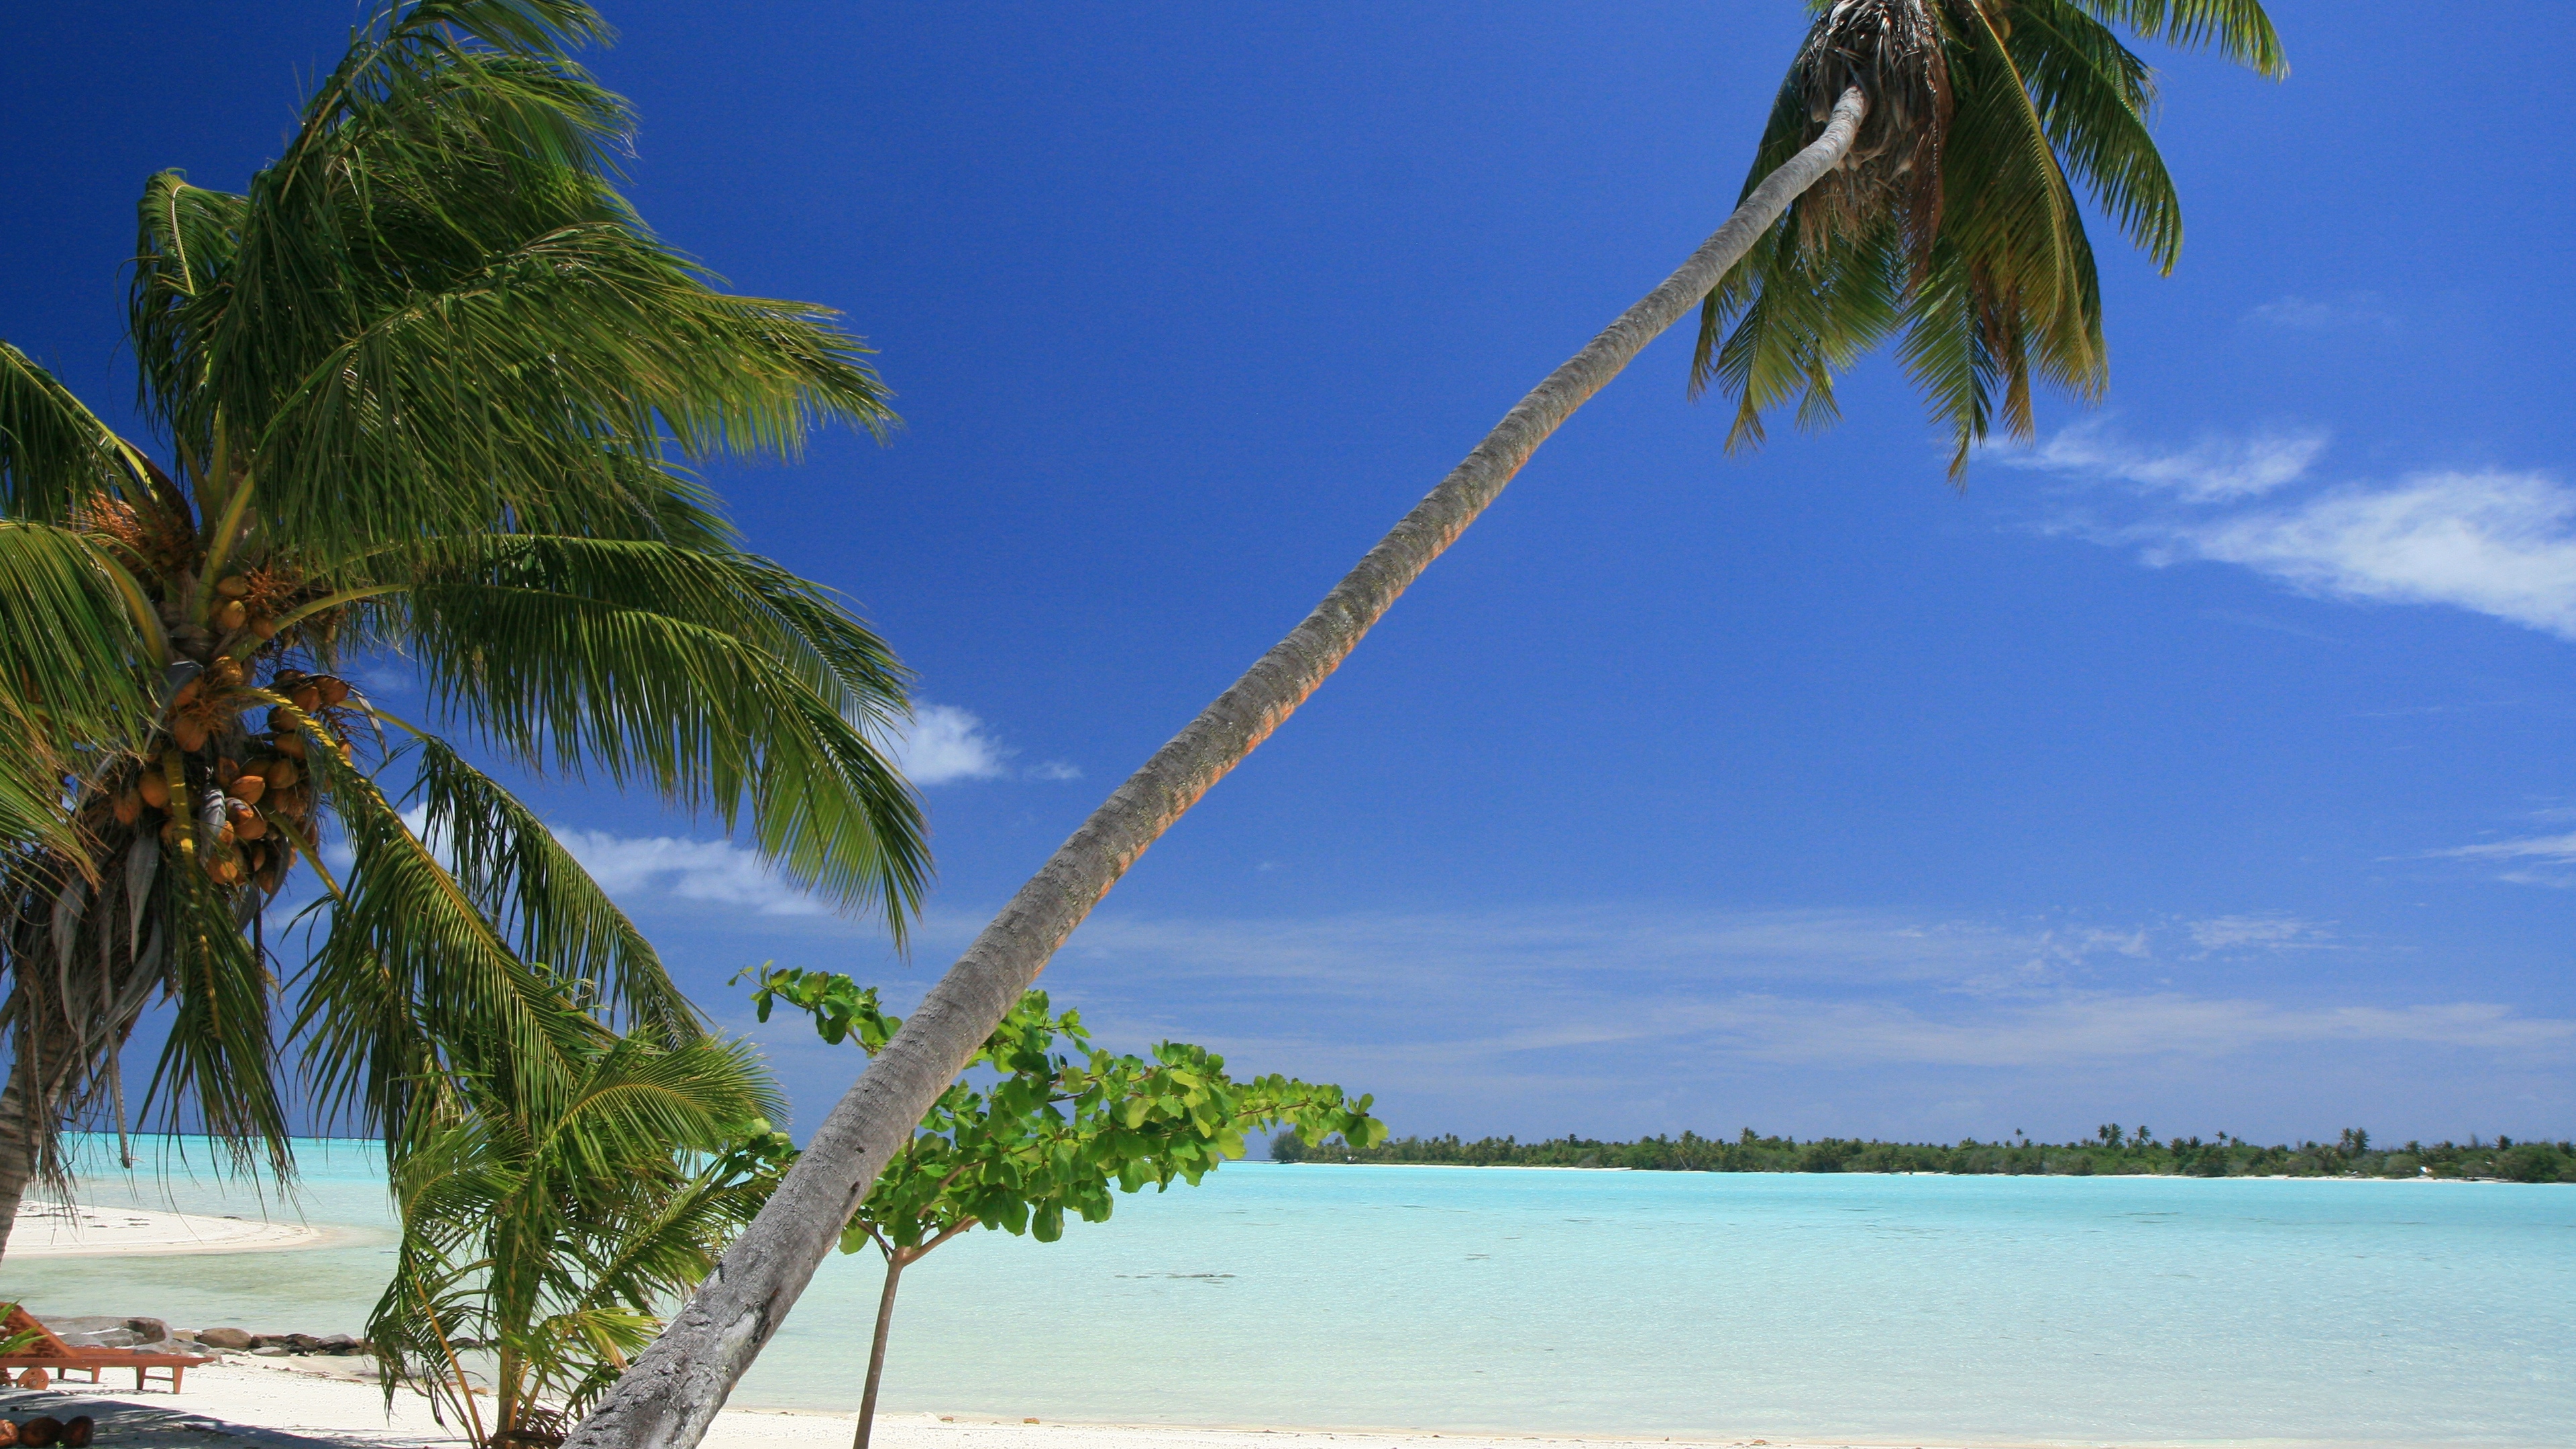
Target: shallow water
(1983, 1310)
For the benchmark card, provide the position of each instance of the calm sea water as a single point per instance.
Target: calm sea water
(1883, 1309)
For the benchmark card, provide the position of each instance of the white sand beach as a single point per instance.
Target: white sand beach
(51, 1230)
(339, 1407)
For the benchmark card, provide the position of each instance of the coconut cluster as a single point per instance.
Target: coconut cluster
(235, 799)
(223, 785)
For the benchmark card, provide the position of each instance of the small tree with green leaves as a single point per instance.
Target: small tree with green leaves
(1060, 1125)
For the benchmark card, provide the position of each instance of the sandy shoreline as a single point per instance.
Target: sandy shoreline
(259, 1403)
(51, 1230)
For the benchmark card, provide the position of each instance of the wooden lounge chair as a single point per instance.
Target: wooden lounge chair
(58, 1358)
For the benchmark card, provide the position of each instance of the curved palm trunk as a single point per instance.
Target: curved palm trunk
(27, 1107)
(80, 978)
(673, 1391)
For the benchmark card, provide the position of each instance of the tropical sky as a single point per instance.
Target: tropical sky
(2205, 763)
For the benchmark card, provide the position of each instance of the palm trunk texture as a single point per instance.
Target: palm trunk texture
(82, 975)
(27, 1104)
(672, 1393)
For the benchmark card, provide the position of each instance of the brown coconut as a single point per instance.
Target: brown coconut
(290, 745)
(128, 807)
(232, 587)
(154, 787)
(41, 1430)
(335, 691)
(307, 697)
(189, 733)
(247, 788)
(232, 616)
(282, 772)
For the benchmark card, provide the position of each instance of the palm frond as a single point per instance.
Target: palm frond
(2003, 293)
(55, 455)
(410, 977)
(522, 879)
(2237, 29)
(437, 314)
(2094, 98)
(217, 1057)
(718, 679)
(74, 671)
(185, 240)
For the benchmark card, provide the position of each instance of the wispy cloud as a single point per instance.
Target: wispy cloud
(2541, 860)
(2276, 933)
(1055, 770)
(1447, 1013)
(2557, 849)
(2215, 469)
(2308, 314)
(2497, 542)
(637, 870)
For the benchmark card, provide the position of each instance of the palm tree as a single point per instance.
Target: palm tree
(428, 389)
(547, 1217)
(1914, 176)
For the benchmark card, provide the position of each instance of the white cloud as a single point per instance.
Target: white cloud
(2212, 470)
(634, 869)
(2540, 860)
(943, 743)
(2226, 933)
(2502, 544)
(2555, 849)
(2497, 543)
(1055, 770)
(2306, 314)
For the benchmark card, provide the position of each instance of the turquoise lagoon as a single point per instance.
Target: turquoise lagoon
(1980, 1310)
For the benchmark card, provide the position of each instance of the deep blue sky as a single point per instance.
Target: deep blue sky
(2207, 765)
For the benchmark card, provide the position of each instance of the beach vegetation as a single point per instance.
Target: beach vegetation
(424, 398)
(549, 1215)
(2134, 1153)
(1918, 181)
(1915, 182)
(1045, 1125)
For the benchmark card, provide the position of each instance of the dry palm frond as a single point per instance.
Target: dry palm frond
(1892, 50)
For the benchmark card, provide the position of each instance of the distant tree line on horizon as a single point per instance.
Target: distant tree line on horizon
(2112, 1151)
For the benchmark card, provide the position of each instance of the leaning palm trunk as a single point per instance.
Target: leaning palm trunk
(89, 922)
(673, 1391)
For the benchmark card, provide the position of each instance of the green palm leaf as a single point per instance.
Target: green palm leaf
(2011, 106)
(431, 389)
(720, 680)
(74, 674)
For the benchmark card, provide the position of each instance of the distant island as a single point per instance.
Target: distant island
(2113, 1151)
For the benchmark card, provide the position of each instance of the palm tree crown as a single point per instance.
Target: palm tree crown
(1953, 225)
(429, 389)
